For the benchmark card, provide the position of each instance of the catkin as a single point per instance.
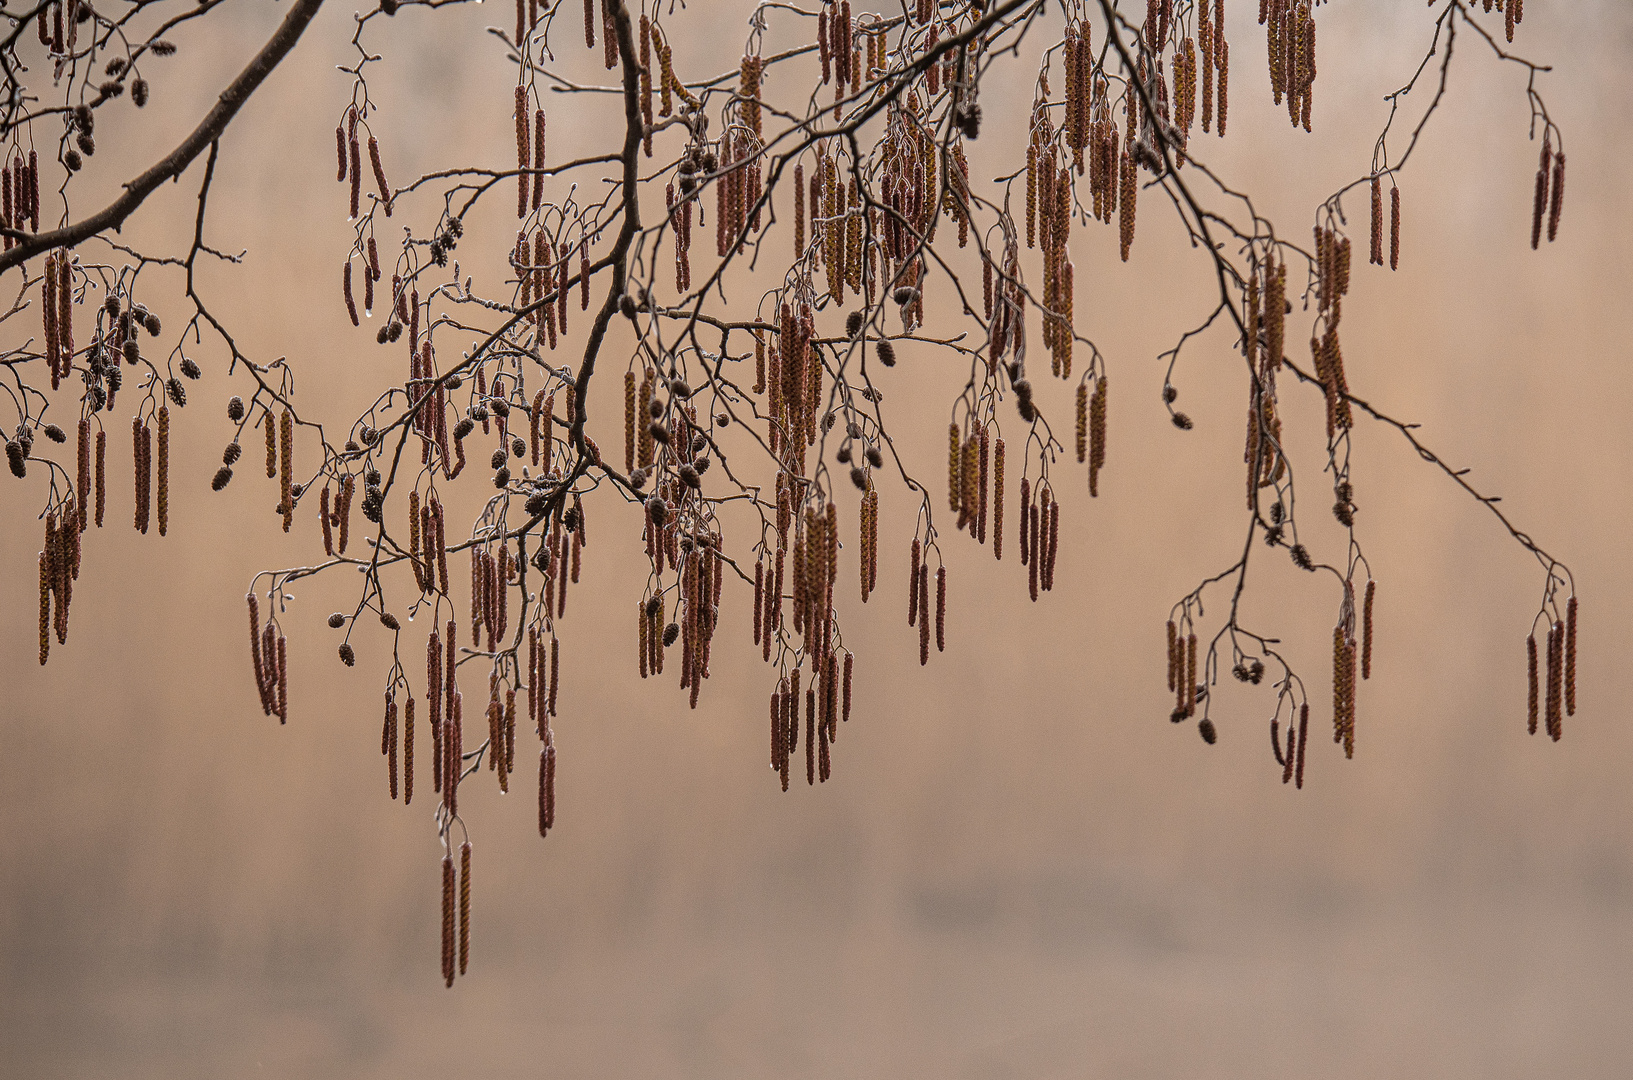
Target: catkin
(629, 421)
(164, 470)
(464, 905)
(448, 918)
(1366, 630)
(286, 449)
(1378, 222)
(82, 476)
(1570, 657)
(1303, 732)
(408, 752)
(388, 744)
(101, 479)
(1097, 435)
(523, 182)
(1556, 202)
(998, 500)
(1531, 683)
(142, 437)
(1173, 666)
(1189, 688)
(924, 614)
(1082, 422)
(941, 609)
(1394, 228)
(1556, 680)
(271, 427)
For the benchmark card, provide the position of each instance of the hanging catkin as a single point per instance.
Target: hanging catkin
(164, 470)
(286, 450)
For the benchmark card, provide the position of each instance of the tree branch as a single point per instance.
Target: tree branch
(176, 162)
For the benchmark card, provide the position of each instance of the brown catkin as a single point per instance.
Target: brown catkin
(345, 511)
(1556, 201)
(254, 644)
(1366, 630)
(464, 905)
(141, 437)
(45, 609)
(1556, 681)
(912, 585)
(1394, 228)
(1082, 422)
(1531, 683)
(810, 732)
(286, 453)
(629, 421)
(408, 752)
(1173, 666)
(448, 918)
(998, 500)
(1377, 258)
(1303, 732)
(101, 474)
(924, 614)
(271, 426)
(388, 744)
(941, 609)
(164, 470)
(328, 533)
(283, 679)
(1190, 675)
(1570, 657)
(82, 477)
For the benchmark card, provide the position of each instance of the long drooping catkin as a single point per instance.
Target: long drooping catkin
(1531, 683)
(1097, 435)
(1190, 675)
(271, 427)
(1556, 201)
(912, 585)
(1570, 657)
(464, 905)
(1377, 257)
(1303, 733)
(1556, 680)
(998, 499)
(1173, 665)
(1366, 631)
(344, 509)
(941, 609)
(164, 469)
(408, 752)
(144, 482)
(45, 612)
(924, 613)
(448, 918)
(82, 475)
(390, 744)
(101, 474)
(286, 454)
(255, 652)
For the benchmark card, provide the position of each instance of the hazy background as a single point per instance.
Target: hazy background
(1019, 868)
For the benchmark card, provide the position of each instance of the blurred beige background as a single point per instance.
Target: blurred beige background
(1020, 869)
